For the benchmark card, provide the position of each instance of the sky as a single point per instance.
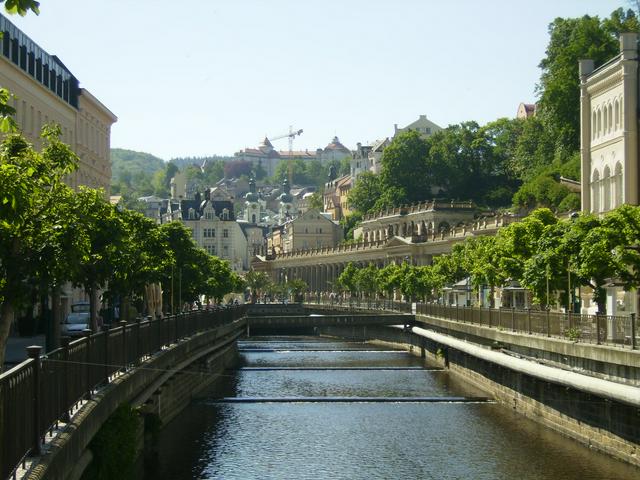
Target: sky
(205, 77)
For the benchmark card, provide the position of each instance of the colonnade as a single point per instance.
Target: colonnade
(323, 276)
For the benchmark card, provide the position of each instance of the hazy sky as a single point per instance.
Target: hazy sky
(213, 76)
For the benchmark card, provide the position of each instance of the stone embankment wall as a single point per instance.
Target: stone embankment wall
(604, 424)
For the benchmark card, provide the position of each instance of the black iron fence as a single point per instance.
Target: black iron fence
(45, 390)
(615, 330)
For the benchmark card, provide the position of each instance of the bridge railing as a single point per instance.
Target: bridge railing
(614, 330)
(45, 390)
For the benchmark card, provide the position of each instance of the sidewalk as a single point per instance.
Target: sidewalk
(17, 348)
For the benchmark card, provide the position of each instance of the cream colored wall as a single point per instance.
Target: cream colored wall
(86, 130)
(607, 148)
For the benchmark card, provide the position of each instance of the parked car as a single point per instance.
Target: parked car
(77, 321)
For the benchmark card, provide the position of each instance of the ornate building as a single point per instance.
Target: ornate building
(609, 129)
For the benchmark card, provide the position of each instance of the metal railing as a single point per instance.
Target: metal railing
(614, 330)
(44, 390)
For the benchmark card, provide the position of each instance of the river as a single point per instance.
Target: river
(235, 434)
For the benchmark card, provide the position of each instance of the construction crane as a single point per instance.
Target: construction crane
(291, 135)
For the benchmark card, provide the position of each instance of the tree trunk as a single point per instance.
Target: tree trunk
(93, 308)
(56, 318)
(492, 297)
(6, 319)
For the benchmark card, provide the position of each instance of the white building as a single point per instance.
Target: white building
(609, 129)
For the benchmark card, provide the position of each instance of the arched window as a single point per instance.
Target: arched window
(595, 192)
(618, 185)
(610, 119)
(620, 112)
(594, 125)
(604, 120)
(599, 127)
(616, 113)
(606, 189)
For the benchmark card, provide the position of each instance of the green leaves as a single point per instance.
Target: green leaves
(21, 7)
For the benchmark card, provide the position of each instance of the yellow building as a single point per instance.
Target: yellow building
(45, 91)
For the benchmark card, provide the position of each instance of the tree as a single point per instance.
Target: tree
(30, 182)
(368, 188)
(347, 279)
(21, 7)
(570, 40)
(237, 168)
(403, 167)
(366, 280)
(297, 287)
(105, 233)
(315, 202)
(257, 283)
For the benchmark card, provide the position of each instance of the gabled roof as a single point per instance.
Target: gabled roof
(379, 145)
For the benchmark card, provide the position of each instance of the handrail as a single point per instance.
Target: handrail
(43, 390)
(613, 330)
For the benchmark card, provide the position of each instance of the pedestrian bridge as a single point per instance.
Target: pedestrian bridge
(279, 317)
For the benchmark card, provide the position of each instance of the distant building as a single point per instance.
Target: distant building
(45, 91)
(269, 158)
(213, 227)
(335, 196)
(423, 126)
(312, 229)
(526, 110)
(334, 151)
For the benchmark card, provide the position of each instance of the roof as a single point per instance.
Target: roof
(380, 144)
(297, 154)
(336, 145)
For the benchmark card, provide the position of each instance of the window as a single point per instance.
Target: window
(617, 185)
(595, 192)
(225, 233)
(606, 187)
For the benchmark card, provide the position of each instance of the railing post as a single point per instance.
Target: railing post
(598, 337)
(633, 331)
(176, 318)
(34, 353)
(105, 332)
(548, 323)
(87, 362)
(125, 363)
(513, 319)
(480, 315)
(489, 311)
(65, 341)
(529, 320)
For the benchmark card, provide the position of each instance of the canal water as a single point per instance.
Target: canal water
(287, 413)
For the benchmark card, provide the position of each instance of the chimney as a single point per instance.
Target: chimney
(585, 67)
(629, 45)
(423, 117)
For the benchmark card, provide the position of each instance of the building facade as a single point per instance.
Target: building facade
(609, 129)
(422, 125)
(45, 91)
